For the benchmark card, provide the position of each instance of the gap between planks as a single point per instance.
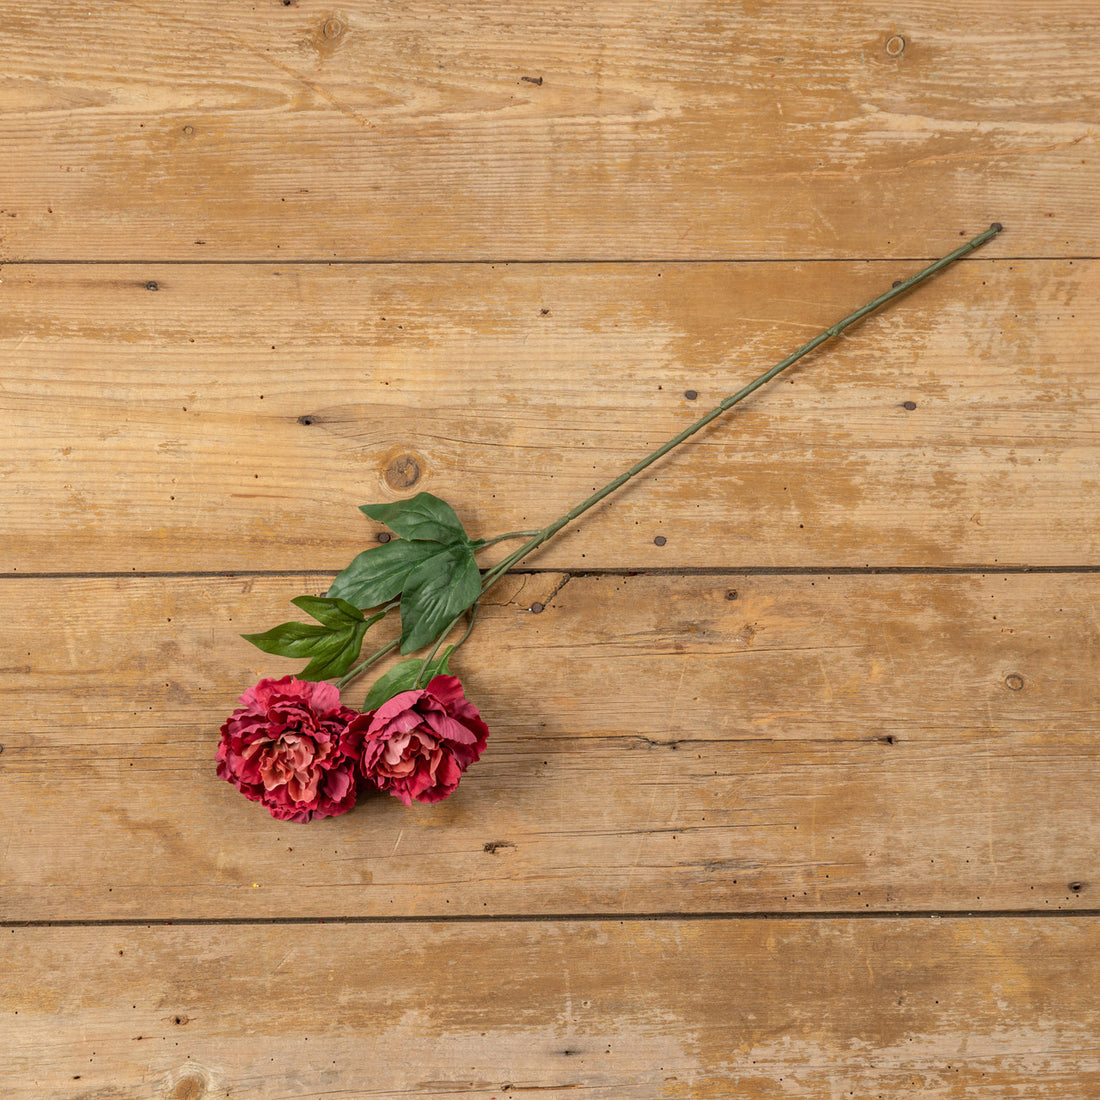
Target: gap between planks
(577, 574)
(694, 261)
(565, 918)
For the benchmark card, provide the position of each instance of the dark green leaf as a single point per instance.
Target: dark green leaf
(378, 574)
(331, 650)
(437, 592)
(403, 677)
(342, 653)
(290, 639)
(423, 517)
(329, 611)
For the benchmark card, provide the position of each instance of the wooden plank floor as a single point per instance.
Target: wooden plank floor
(791, 787)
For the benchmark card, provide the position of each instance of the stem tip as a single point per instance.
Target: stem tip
(996, 227)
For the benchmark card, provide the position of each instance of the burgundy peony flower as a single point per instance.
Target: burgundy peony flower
(418, 744)
(286, 746)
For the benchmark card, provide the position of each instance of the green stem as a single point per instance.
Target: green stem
(377, 655)
(469, 626)
(482, 543)
(537, 538)
(548, 532)
(472, 612)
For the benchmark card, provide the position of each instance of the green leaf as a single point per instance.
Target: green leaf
(437, 592)
(422, 517)
(403, 677)
(289, 639)
(330, 612)
(331, 649)
(378, 575)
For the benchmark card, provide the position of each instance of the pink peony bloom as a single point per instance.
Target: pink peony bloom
(286, 747)
(418, 744)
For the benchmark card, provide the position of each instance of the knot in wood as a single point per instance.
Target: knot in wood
(402, 473)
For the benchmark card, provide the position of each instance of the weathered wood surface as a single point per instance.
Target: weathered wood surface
(634, 1010)
(827, 743)
(234, 417)
(698, 779)
(620, 130)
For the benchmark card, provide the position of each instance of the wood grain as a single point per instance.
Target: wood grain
(754, 1009)
(234, 417)
(791, 785)
(568, 130)
(810, 744)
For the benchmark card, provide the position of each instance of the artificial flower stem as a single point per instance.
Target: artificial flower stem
(494, 574)
(377, 655)
(482, 543)
(393, 605)
(470, 625)
(471, 611)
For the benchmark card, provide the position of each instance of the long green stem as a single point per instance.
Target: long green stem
(548, 532)
(537, 538)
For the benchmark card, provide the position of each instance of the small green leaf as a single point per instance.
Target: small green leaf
(341, 654)
(403, 677)
(289, 639)
(331, 650)
(422, 517)
(378, 575)
(329, 611)
(437, 592)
